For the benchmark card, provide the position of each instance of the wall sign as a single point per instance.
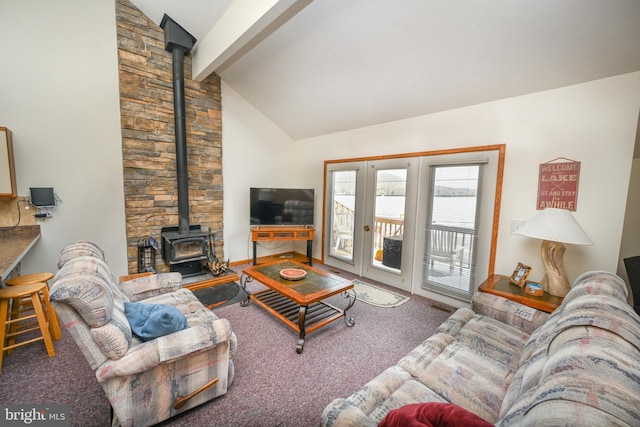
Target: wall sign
(558, 184)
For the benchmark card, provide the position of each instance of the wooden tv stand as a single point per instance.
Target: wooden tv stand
(282, 232)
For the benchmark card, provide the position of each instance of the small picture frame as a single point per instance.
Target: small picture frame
(520, 274)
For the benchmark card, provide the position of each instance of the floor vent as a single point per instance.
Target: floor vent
(447, 310)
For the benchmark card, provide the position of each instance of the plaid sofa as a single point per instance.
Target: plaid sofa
(145, 382)
(513, 365)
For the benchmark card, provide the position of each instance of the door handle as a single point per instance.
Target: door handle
(367, 228)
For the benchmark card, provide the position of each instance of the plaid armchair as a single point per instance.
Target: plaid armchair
(146, 382)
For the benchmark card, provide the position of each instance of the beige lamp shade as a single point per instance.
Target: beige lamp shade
(555, 227)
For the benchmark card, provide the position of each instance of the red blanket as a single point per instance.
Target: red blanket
(432, 414)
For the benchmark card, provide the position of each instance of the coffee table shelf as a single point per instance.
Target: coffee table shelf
(317, 314)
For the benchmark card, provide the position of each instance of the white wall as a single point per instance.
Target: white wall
(255, 153)
(594, 123)
(59, 96)
(630, 245)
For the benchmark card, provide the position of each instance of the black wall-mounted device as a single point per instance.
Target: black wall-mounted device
(42, 197)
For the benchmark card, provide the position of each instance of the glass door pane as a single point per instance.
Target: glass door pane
(388, 230)
(452, 228)
(342, 214)
(389, 226)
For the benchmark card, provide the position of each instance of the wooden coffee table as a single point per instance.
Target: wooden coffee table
(299, 303)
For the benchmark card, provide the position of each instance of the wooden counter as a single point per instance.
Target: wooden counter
(14, 245)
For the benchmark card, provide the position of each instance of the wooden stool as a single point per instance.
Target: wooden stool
(22, 305)
(29, 278)
(40, 306)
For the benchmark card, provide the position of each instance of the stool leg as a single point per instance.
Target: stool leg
(16, 307)
(42, 321)
(4, 310)
(54, 324)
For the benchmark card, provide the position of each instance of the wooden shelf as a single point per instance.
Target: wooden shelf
(281, 233)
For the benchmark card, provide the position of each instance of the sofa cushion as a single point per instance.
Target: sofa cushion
(456, 321)
(432, 414)
(613, 315)
(499, 342)
(113, 338)
(390, 389)
(508, 312)
(424, 353)
(89, 295)
(379, 389)
(410, 392)
(146, 287)
(468, 378)
(473, 366)
(590, 374)
(598, 283)
(89, 265)
(77, 249)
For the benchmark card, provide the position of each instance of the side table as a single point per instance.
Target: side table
(498, 284)
(283, 232)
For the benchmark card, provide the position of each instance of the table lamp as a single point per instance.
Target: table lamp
(555, 227)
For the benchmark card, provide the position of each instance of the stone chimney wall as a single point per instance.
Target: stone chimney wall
(148, 137)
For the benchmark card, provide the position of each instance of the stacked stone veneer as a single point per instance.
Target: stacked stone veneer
(148, 136)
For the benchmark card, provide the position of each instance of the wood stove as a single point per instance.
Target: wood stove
(185, 253)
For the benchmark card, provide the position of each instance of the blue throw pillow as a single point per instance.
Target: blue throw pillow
(149, 321)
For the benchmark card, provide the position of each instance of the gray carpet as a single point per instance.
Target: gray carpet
(274, 386)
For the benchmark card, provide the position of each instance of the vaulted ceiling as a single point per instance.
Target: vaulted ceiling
(317, 67)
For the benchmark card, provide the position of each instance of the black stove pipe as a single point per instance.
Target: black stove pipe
(181, 140)
(179, 42)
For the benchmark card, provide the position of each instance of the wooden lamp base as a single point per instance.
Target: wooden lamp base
(555, 281)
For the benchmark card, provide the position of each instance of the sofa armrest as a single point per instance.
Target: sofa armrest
(148, 286)
(342, 412)
(167, 349)
(520, 316)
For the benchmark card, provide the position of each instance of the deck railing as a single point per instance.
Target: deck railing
(462, 240)
(385, 227)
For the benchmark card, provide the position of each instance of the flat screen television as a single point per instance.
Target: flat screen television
(281, 206)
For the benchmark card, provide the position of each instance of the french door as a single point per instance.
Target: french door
(371, 210)
(425, 224)
(344, 208)
(390, 204)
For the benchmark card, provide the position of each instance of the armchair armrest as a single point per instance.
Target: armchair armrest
(520, 316)
(190, 340)
(166, 349)
(147, 286)
(135, 276)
